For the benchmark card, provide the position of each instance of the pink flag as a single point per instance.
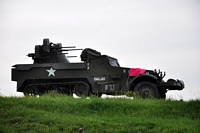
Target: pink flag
(136, 71)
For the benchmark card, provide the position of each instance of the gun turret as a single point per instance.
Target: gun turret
(51, 53)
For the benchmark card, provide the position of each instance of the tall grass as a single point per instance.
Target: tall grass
(61, 113)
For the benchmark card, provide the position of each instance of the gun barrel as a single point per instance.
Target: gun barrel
(70, 49)
(71, 56)
(60, 53)
(63, 47)
(31, 55)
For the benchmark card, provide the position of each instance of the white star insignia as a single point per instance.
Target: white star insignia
(51, 72)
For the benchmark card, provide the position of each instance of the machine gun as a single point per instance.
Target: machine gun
(51, 53)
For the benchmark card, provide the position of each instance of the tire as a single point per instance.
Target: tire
(147, 90)
(31, 90)
(82, 89)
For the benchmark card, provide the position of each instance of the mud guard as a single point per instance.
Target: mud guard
(138, 79)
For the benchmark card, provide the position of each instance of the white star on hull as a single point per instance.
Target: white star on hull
(51, 72)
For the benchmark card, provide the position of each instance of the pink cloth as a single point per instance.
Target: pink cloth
(136, 71)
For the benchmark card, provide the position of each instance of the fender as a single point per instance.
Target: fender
(137, 79)
(144, 76)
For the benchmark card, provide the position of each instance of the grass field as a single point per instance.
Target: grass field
(60, 113)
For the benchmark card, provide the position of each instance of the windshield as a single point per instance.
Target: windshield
(113, 62)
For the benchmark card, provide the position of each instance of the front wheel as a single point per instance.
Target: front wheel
(147, 90)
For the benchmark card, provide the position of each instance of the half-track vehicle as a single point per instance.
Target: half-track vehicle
(96, 74)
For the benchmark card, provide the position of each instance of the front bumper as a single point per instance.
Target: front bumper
(172, 84)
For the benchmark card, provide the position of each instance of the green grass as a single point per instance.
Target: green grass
(61, 113)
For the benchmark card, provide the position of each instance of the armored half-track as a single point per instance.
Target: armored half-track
(95, 74)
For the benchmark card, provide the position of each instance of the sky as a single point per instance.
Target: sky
(149, 34)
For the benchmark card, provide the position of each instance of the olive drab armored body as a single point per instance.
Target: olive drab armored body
(95, 74)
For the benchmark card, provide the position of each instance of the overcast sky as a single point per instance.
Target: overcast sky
(150, 34)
